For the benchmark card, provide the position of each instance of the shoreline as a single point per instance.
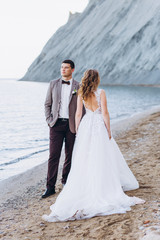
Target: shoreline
(38, 173)
(117, 126)
(127, 123)
(22, 206)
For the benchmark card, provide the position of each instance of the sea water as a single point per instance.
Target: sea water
(24, 133)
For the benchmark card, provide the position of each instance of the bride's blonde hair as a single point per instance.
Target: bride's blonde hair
(89, 83)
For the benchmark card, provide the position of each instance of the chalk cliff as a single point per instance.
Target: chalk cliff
(118, 38)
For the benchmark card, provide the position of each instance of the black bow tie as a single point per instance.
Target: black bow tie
(65, 82)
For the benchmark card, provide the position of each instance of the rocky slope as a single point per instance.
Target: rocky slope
(118, 38)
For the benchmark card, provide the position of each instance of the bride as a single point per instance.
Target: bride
(99, 174)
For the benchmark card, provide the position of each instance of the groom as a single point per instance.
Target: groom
(60, 108)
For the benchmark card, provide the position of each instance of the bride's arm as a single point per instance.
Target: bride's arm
(78, 112)
(105, 112)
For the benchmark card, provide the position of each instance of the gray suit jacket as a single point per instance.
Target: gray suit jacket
(53, 101)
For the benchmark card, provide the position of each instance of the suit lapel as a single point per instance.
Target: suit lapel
(59, 88)
(74, 86)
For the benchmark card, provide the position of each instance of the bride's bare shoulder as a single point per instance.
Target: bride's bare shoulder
(80, 97)
(103, 93)
(103, 98)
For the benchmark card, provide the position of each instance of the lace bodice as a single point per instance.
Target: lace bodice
(98, 110)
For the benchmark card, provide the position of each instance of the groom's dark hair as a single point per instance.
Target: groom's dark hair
(70, 62)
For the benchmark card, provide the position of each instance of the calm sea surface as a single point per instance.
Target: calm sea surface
(24, 132)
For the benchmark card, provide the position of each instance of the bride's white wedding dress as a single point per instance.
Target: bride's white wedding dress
(98, 175)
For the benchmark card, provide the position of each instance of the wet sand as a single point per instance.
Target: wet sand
(22, 206)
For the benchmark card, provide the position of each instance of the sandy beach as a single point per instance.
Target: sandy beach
(22, 206)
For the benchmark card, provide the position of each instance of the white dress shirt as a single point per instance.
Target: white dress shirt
(65, 93)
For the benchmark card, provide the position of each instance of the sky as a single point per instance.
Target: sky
(26, 26)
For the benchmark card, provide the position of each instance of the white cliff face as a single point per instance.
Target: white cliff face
(118, 38)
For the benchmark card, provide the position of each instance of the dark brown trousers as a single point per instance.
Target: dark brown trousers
(58, 133)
